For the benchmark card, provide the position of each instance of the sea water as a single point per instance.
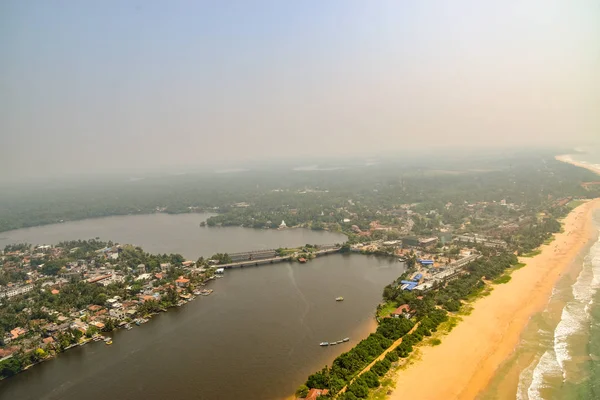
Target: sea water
(558, 356)
(566, 355)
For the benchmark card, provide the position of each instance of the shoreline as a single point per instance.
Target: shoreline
(489, 335)
(566, 158)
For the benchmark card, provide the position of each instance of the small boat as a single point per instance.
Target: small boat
(324, 344)
(332, 343)
(108, 343)
(346, 339)
(340, 341)
(339, 298)
(128, 327)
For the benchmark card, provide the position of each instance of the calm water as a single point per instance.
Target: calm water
(163, 233)
(256, 337)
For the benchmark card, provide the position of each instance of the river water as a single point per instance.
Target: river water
(255, 337)
(164, 233)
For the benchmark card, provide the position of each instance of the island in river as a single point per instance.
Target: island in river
(167, 233)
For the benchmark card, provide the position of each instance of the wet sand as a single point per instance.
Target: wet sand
(469, 356)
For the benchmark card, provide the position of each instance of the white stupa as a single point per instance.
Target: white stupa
(282, 225)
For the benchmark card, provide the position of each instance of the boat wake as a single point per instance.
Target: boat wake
(304, 301)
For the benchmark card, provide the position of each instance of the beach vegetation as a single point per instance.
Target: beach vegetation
(575, 203)
(502, 279)
(532, 253)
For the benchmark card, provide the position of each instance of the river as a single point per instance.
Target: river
(255, 337)
(164, 233)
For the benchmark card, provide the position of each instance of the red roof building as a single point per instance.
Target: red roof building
(48, 340)
(401, 311)
(182, 282)
(314, 393)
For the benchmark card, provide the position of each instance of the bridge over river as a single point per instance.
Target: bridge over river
(260, 257)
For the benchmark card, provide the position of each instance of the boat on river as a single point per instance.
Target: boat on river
(340, 341)
(346, 339)
(339, 298)
(324, 344)
(332, 343)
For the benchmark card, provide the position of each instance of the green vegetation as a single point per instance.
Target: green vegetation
(426, 312)
(575, 203)
(318, 200)
(532, 253)
(435, 342)
(386, 309)
(501, 279)
(347, 365)
(518, 266)
(518, 200)
(43, 312)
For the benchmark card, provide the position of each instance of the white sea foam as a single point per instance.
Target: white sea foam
(576, 313)
(546, 366)
(575, 317)
(569, 324)
(525, 379)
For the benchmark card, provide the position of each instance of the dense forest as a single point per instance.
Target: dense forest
(320, 199)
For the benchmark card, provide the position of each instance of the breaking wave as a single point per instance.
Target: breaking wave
(575, 318)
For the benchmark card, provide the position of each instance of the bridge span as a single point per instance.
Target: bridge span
(272, 260)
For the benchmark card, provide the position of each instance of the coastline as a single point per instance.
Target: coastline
(470, 355)
(566, 158)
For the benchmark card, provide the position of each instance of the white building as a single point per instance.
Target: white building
(15, 291)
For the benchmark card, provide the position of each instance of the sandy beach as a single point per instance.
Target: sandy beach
(469, 356)
(566, 158)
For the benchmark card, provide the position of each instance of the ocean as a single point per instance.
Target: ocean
(558, 356)
(568, 366)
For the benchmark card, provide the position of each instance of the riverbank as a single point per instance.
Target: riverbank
(470, 354)
(271, 346)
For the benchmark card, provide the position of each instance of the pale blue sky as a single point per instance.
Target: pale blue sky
(112, 85)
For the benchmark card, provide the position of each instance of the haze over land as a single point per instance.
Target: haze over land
(113, 86)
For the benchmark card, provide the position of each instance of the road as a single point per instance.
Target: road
(381, 357)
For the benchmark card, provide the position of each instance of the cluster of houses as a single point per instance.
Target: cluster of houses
(102, 268)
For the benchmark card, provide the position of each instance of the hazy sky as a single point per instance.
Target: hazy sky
(109, 85)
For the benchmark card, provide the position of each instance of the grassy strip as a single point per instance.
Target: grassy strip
(501, 279)
(387, 309)
(532, 253)
(575, 203)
